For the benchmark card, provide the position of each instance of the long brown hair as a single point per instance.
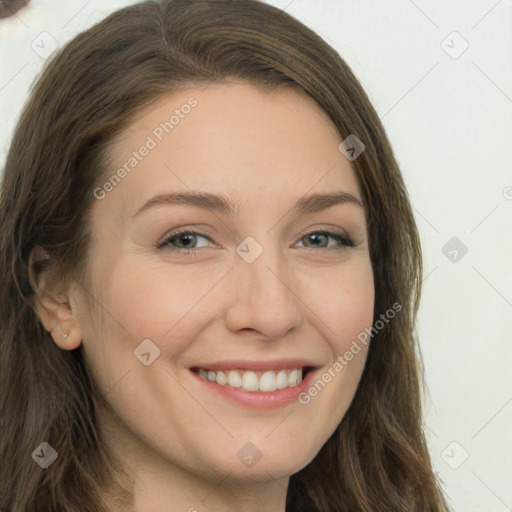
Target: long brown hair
(377, 459)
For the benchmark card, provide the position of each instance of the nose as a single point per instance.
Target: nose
(263, 296)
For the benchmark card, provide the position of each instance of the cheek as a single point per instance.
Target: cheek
(344, 307)
(155, 299)
(140, 300)
(342, 299)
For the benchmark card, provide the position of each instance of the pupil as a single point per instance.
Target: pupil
(313, 237)
(185, 237)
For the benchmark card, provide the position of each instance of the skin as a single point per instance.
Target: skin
(177, 439)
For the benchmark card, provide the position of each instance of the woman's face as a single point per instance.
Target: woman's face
(263, 297)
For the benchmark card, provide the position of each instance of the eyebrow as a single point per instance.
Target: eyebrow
(308, 204)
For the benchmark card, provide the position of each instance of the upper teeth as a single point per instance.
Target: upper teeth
(249, 380)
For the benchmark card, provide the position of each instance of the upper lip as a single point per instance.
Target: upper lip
(256, 365)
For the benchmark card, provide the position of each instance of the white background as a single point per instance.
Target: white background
(449, 119)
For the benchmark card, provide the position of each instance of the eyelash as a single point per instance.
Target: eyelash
(346, 242)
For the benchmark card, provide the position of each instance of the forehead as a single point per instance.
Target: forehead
(256, 143)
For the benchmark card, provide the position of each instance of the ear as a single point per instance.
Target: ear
(53, 301)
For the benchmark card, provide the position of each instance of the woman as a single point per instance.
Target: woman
(266, 364)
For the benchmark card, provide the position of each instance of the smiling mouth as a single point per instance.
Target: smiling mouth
(249, 380)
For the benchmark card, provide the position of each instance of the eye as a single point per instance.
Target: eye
(319, 237)
(186, 238)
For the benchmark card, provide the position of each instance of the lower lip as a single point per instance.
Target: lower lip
(259, 399)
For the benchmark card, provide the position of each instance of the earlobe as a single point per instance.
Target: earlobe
(66, 333)
(67, 341)
(52, 303)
